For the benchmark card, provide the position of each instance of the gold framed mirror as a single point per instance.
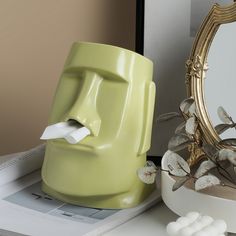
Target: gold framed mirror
(196, 75)
(209, 165)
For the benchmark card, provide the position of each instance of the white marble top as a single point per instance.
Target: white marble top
(151, 223)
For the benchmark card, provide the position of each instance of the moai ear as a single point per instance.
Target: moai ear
(149, 102)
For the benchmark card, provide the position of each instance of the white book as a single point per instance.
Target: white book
(26, 210)
(16, 165)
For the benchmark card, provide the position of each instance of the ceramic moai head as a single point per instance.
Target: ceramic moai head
(110, 91)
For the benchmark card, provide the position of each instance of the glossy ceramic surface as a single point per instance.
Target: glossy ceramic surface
(110, 91)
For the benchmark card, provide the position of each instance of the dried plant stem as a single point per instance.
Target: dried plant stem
(190, 136)
(229, 179)
(227, 185)
(149, 173)
(183, 169)
(233, 126)
(167, 171)
(219, 167)
(232, 180)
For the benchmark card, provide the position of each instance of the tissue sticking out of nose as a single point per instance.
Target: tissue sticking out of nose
(72, 131)
(77, 135)
(59, 130)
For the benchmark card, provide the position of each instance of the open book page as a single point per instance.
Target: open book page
(26, 210)
(16, 165)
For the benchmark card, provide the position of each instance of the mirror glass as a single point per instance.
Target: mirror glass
(220, 79)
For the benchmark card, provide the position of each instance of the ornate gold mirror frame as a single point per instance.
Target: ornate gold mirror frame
(196, 68)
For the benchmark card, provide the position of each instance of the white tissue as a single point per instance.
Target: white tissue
(77, 135)
(59, 130)
(71, 131)
(194, 224)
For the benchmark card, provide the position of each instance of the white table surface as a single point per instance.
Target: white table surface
(151, 223)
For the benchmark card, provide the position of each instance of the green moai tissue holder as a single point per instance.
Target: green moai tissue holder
(110, 91)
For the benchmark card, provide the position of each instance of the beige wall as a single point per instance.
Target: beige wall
(35, 37)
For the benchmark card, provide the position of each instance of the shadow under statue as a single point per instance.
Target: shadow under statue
(109, 90)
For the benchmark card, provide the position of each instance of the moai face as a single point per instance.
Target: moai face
(109, 91)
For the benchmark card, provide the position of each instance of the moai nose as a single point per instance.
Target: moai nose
(84, 110)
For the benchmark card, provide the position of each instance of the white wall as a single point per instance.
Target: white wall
(169, 31)
(35, 38)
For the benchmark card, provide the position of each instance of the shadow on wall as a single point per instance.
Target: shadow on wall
(35, 38)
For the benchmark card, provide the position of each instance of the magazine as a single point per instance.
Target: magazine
(26, 210)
